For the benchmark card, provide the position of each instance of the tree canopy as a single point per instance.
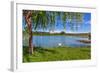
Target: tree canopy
(47, 19)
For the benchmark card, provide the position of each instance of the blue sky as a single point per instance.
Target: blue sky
(84, 27)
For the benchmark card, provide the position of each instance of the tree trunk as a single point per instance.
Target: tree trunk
(29, 24)
(30, 41)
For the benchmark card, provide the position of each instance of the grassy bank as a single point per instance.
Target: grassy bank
(56, 54)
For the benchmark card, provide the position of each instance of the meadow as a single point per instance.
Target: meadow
(60, 53)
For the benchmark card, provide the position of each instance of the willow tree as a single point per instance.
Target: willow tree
(74, 19)
(47, 19)
(34, 20)
(28, 19)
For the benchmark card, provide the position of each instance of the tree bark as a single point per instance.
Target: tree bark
(29, 24)
(30, 40)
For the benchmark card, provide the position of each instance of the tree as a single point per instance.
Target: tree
(47, 19)
(34, 19)
(28, 18)
(62, 32)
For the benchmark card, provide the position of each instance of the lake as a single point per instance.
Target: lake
(55, 41)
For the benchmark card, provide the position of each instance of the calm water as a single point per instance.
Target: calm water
(54, 41)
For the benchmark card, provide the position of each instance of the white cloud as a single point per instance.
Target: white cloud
(87, 22)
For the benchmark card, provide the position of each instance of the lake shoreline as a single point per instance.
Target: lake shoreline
(60, 34)
(85, 41)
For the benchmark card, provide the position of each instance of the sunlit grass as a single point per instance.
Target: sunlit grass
(57, 54)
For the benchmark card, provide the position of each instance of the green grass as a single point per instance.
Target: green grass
(56, 54)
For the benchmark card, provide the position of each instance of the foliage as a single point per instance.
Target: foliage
(47, 19)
